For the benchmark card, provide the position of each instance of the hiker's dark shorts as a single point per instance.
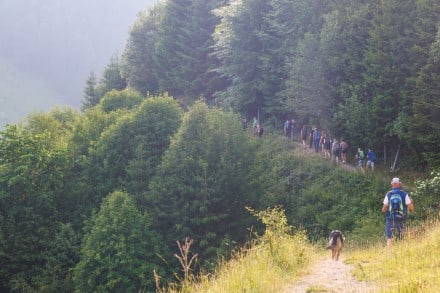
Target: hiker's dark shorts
(391, 224)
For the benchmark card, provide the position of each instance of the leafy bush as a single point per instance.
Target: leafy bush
(125, 99)
(427, 195)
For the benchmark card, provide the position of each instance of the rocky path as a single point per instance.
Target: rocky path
(330, 276)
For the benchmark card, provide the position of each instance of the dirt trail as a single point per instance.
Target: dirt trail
(330, 276)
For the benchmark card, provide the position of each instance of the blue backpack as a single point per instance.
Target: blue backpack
(396, 205)
(372, 156)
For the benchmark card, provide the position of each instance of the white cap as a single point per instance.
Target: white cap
(395, 180)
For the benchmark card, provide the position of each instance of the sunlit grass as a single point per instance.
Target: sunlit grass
(262, 268)
(270, 263)
(412, 265)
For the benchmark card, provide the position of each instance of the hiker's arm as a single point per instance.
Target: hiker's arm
(411, 206)
(385, 205)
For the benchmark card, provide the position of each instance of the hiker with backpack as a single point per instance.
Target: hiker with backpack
(336, 150)
(344, 150)
(360, 156)
(304, 135)
(371, 159)
(396, 204)
(316, 139)
(312, 135)
(287, 128)
(327, 146)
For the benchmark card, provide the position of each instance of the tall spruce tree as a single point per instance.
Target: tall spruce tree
(137, 61)
(239, 47)
(111, 78)
(183, 60)
(90, 98)
(205, 191)
(425, 126)
(343, 41)
(392, 64)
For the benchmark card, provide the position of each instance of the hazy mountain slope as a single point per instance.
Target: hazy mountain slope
(57, 44)
(21, 94)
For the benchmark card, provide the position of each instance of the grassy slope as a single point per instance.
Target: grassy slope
(21, 94)
(412, 265)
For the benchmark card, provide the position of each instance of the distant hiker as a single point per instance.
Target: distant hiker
(316, 139)
(360, 156)
(244, 122)
(254, 124)
(304, 135)
(336, 150)
(396, 204)
(321, 142)
(371, 159)
(312, 135)
(260, 130)
(344, 151)
(294, 130)
(327, 146)
(287, 128)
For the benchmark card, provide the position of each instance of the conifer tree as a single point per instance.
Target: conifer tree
(118, 253)
(90, 98)
(205, 191)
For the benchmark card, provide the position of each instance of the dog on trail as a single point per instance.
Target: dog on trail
(335, 243)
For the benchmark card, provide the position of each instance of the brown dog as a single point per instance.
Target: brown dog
(335, 244)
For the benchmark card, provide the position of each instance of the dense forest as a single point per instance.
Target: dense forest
(99, 200)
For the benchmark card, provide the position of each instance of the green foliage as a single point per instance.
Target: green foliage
(155, 121)
(118, 253)
(427, 195)
(425, 123)
(181, 56)
(120, 99)
(306, 88)
(206, 188)
(239, 48)
(111, 79)
(128, 152)
(90, 98)
(137, 61)
(32, 170)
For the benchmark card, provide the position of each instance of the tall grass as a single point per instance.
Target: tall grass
(412, 265)
(272, 261)
(259, 270)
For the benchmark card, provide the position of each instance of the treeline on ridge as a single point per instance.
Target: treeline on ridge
(367, 71)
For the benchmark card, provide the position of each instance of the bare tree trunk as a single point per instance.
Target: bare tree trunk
(393, 168)
(384, 155)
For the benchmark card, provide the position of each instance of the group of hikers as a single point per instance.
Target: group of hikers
(396, 203)
(331, 148)
(257, 127)
(317, 140)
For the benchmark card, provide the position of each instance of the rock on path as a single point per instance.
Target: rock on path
(330, 276)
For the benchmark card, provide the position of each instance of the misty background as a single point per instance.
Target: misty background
(48, 49)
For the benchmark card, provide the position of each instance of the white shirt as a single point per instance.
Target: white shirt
(407, 200)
